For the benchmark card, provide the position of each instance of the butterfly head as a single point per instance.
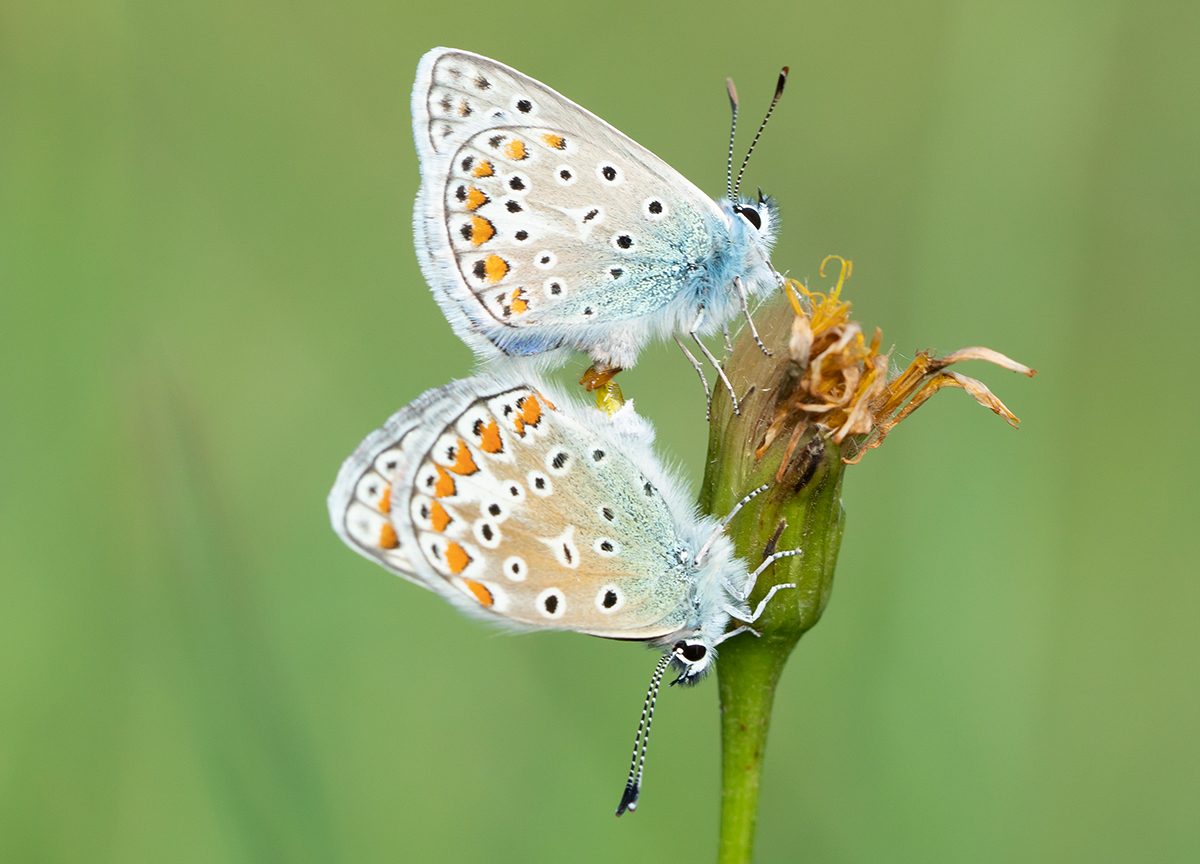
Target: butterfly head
(759, 218)
(693, 658)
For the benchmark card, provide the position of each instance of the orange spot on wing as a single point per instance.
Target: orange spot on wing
(518, 304)
(495, 267)
(489, 438)
(483, 169)
(463, 463)
(549, 404)
(482, 594)
(445, 483)
(475, 199)
(387, 537)
(439, 517)
(481, 230)
(456, 557)
(385, 500)
(515, 149)
(531, 409)
(556, 141)
(519, 425)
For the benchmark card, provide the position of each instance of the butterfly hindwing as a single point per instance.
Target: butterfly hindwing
(537, 222)
(530, 516)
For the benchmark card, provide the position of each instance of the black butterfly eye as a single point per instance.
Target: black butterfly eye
(692, 653)
(751, 216)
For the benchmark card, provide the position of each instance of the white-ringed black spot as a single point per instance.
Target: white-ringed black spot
(553, 287)
(607, 513)
(551, 603)
(615, 272)
(461, 193)
(494, 509)
(591, 214)
(648, 489)
(597, 455)
(605, 547)
(522, 235)
(608, 173)
(545, 260)
(654, 209)
(514, 568)
(539, 484)
(482, 83)
(524, 106)
(487, 533)
(609, 599)
(444, 102)
(516, 184)
(564, 174)
(480, 269)
(587, 310)
(623, 241)
(513, 206)
(559, 462)
(465, 109)
(496, 140)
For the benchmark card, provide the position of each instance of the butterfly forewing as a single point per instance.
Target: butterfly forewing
(530, 515)
(552, 218)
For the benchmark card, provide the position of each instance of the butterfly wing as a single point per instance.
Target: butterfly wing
(538, 224)
(361, 501)
(528, 516)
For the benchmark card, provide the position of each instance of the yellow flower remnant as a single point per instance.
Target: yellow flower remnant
(839, 381)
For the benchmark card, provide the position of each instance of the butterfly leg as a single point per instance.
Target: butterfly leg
(708, 355)
(741, 289)
(758, 610)
(745, 628)
(728, 343)
(771, 559)
(699, 371)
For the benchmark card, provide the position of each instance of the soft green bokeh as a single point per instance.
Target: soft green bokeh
(208, 295)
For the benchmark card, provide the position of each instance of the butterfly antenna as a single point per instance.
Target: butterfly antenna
(712, 538)
(778, 92)
(633, 786)
(733, 101)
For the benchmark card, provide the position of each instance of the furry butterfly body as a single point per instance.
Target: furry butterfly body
(540, 227)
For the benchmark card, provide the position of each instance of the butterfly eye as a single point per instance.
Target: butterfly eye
(751, 216)
(693, 652)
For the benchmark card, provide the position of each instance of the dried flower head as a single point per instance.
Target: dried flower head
(836, 380)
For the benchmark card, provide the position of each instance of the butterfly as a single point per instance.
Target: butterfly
(521, 507)
(540, 227)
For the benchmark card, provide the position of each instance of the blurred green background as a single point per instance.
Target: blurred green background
(208, 296)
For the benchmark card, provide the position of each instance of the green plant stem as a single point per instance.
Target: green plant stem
(800, 509)
(747, 680)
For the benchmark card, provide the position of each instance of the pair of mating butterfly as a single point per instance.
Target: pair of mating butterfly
(541, 229)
